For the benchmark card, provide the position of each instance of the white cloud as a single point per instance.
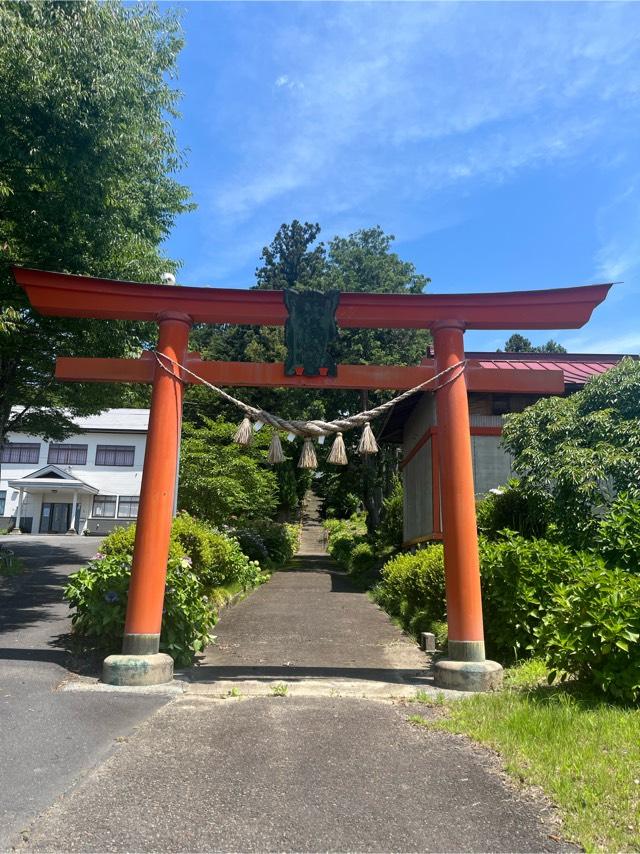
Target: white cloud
(408, 99)
(628, 342)
(619, 226)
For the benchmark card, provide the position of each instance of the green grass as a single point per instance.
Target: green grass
(427, 699)
(9, 563)
(583, 752)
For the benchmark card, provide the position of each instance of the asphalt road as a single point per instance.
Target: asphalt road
(309, 622)
(293, 774)
(48, 739)
(269, 773)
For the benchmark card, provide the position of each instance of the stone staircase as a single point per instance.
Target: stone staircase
(313, 537)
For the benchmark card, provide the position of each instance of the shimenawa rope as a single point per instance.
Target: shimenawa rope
(308, 430)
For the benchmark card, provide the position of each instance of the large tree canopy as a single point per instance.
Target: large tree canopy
(363, 261)
(87, 156)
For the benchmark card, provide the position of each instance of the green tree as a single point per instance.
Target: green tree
(221, 481)
(87, 157)
(575, 454)
(363, 262)
(289, 261)
(519, 344)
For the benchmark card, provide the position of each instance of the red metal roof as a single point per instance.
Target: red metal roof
(576, 367)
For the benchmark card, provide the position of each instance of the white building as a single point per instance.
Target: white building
(87, 484)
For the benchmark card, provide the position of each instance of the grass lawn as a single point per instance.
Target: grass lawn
(583, 752)
(9, 563)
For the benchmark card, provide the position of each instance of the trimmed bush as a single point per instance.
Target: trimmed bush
(345, 535)
(216, 558)
(592, 629)
(412, 588)
(280, 540)
(362, 559)
(513, 509)
(518, 576)
(98, 595)
(390, 530)
(204, 566)
(252, 544)
(618, 534)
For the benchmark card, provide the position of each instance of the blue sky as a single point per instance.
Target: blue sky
(500, 143)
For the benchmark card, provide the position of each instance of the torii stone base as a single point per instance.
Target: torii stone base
(137, 669)
(468, 675)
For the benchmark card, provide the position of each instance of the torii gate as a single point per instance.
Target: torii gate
(175, 309)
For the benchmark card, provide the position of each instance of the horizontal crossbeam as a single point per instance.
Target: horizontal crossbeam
(64, 295)
(271, 374)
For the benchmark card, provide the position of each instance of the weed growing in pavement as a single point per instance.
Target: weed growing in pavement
(427, 699)
(418, 720)
(9, 563)
(280, 690)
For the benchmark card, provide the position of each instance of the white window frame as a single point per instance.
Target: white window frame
(128, 499)
(102, 499)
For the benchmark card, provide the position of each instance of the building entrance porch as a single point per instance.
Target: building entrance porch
(56, 518)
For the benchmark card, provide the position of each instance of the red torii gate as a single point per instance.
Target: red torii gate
(175, 309)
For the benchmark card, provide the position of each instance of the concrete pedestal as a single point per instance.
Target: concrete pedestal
(468, 675)
(137, 669)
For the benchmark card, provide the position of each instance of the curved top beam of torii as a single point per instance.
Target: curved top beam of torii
(84, 296)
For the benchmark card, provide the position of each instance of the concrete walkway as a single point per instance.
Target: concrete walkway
(293, 774)
(312, 630)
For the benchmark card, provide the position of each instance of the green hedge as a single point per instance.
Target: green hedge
(538, 597)
(518, 576)
(618, 534)
(412, 588)
(345, 536)
(202, 562)
(279, 540)
(592, 630)
(98, 594)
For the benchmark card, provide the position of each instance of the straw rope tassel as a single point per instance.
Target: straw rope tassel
(338, 453)
(308, 456)
(275, 449)
(368, 444)
(244, 432)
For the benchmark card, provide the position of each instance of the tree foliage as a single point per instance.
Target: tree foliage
(221, 481)
(575, 454)
(362, 262)
(86, 186)
(519, 344)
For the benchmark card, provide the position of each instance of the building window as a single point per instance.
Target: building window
(3, 498)
(67, 455)
(20, 452)
(104, 506)
(115, 455)
(128, 507)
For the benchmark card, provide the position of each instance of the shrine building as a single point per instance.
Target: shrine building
(413, 425)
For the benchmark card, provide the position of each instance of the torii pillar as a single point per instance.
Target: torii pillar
(141, 662)
(466, 667)
(175, 309)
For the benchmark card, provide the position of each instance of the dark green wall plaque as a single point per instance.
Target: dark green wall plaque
(310, 332)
